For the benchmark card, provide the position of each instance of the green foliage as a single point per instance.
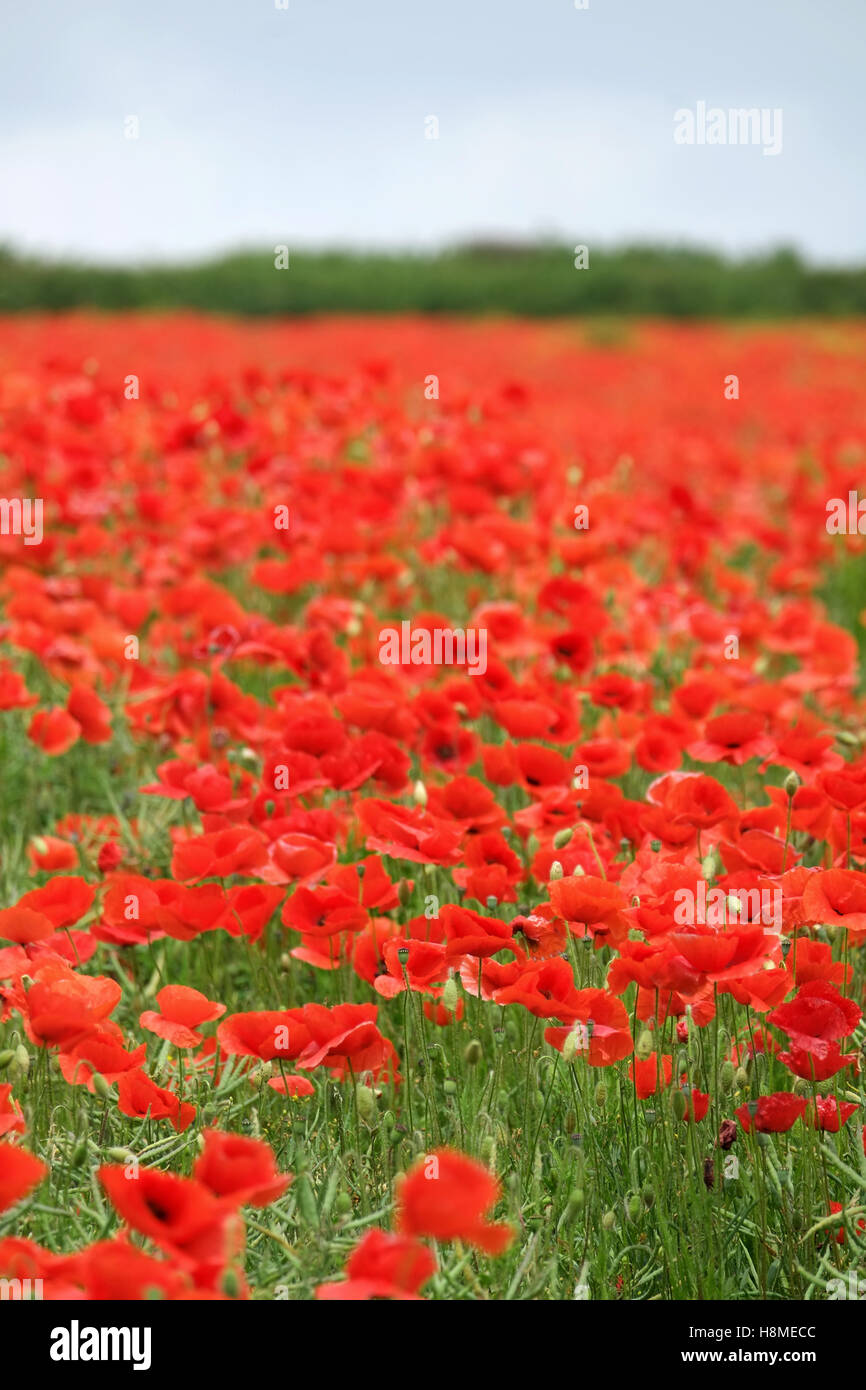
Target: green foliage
(680, 282)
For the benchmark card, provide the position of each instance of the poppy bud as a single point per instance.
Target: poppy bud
(556, 871)
(679, 1104)
(487, 1151)
(101, 1086)
(306, 1200)
(119, 1155)
(727, 1076)
(6, 1057)
(763, 1140)
(792, 785)
(342, 1204)
(601, 1095)
(575, 1204)
(648, 1194)
(569, 1046)
(562, 838)
(231, 1284)
(608, 1221)
(450, 995)
(579, 872)
(366, 1102)
(419, 794)
(742, 1077)
(633, 1207)
(473, 1053)
(655, 846)
(22, 1060)
(644, 1046)
(79, 1154)
(285, 962)
(570, 1123)
(449, 1087)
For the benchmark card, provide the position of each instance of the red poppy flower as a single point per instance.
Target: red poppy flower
(651, 1074)
(446, 1195)
(11, 1117)
(19, 1171)
(182, 1009)
(54, 731)
(141, 1099)
(233, 1165)
(773, 1114)
(383, 1266)
(92, 716)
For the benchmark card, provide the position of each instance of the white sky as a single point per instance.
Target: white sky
(305, 126)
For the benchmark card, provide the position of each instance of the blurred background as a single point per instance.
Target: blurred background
(441, 157)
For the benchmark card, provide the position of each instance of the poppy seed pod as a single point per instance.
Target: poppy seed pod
(403, 955)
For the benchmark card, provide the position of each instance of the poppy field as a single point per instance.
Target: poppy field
(433, 818)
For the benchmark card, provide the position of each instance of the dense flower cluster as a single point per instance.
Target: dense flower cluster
(643, 819)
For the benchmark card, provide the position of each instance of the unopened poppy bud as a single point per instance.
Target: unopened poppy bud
(679, 1104)
(708, 866)
(648, 1194)
(22, 1059)
(6, 1057)
(601, 1095)
(556, 871)
(419, 794)
(569, 1046)
(119, 1155)
(655, 846)
(742, 1077)
(231, 1284)
(450, 995)
(306, 1200)
(579, 872)
(366, 1103)
(101, 1086)
(575, 1204)
(342, 1204)
(633, 1207)
(562, 838)
(792, 785)
(570, 1122)
(727, 1076)
(763, 1140)
(644, 1045)
(79, 1154)
(608, 1221)
(285, 962)
(473, 1053)
(487, 1151)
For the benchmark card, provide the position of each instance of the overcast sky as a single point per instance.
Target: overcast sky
(306, 125)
